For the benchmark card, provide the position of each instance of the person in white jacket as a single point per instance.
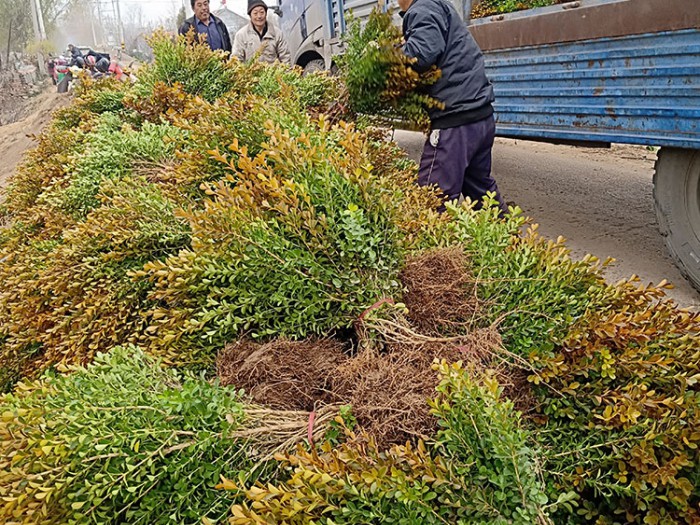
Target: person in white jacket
(259, 36)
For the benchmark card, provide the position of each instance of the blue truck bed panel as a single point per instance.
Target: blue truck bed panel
(639, 89)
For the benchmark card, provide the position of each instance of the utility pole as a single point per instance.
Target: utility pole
(101, 24)
(99, 21)
(38, 33)
(120, 28)
(35, 23)
(92, 24)
(40, 18)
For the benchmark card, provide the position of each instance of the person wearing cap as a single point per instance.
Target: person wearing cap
(259, 36)
(203, 22)
(457, 154)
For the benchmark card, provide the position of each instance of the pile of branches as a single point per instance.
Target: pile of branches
(396, 362)
(482, 8)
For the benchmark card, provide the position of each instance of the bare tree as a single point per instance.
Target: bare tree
(16, 29)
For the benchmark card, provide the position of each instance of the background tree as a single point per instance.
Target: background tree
(181, 16)
(16, 29)
(15, 26)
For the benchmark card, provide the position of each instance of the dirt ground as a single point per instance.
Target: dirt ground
(600, 200)
(16, 138)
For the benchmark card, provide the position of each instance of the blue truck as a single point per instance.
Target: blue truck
(588, 72)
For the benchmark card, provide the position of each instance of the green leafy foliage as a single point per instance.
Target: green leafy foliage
(614, 370)
(496, 7)
(102, 95)
(196, 68)
(297, 241)
(77, 288)
(626, 424)
(313, 90)
(121, 441)
(212, 199)
(112, 152)
(41, 168)
(379, 76)
(534, 288)
(481, 436)
(172, 178)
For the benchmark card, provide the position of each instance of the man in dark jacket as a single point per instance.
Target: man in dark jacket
(205, 23)
(76, 56)
(457, 154)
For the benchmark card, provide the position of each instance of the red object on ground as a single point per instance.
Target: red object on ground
(310, 429)
(116, 70)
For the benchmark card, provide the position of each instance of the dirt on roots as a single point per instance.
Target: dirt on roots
(283, 374)
(388, 377)
(440, 293)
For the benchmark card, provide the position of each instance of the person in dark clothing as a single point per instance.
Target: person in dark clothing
(457, 154)
(98, 61)
(74, 51)
(76, 55)
(51, 68)
(205, 23)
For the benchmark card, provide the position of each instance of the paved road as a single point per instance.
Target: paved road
(600, 200)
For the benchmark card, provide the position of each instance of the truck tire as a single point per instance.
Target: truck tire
(677, 201)
(315, 65)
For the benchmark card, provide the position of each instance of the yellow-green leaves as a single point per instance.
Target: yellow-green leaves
(379, 76)
(122, 441)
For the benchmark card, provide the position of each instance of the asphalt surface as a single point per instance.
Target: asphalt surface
(600, 200)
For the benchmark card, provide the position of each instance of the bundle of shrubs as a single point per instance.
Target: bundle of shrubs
(481, 8)
(122, 441)
(213, 201)
(378, 76)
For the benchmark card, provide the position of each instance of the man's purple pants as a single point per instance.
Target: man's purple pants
(458, 161)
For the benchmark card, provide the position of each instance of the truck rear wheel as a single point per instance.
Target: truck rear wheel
(677, 199)
(315, 65)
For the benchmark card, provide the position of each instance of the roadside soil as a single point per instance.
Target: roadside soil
(17, 137)
(600, 200)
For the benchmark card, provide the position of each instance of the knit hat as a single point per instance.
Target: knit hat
(255, 3)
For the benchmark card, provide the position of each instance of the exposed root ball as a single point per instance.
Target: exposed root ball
(440, 293)
(388, 388)
(390, 380)
(388, 391)
(282, 374)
